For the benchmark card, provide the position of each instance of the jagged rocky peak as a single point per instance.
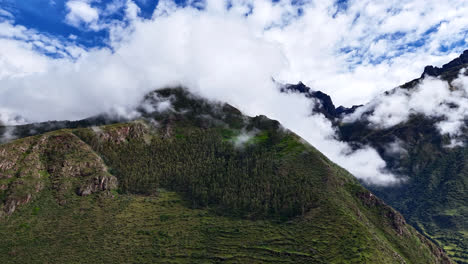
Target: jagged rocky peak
(325, 106)
(455, 64)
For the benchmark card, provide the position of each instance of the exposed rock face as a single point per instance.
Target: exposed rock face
(18, 181)
(98, 183)
(12, 203)
(397, 220)
(60, 161)
(437, 251)
(121, 134)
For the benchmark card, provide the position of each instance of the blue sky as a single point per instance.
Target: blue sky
(49, 18)
(71, 59)
(357, 35)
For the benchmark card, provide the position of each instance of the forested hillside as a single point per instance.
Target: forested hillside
(434, 196)
(191, 181)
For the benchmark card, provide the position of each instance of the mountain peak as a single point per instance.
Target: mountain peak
(324, 104)
(455, 64)
(196, 174)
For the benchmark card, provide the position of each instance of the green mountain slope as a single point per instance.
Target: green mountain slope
(435, 197)
(192, 182)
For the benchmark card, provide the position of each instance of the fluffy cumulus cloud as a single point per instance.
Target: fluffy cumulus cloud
(231, 51)
(80, 12)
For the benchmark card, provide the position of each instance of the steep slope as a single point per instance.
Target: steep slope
(192, 181)
(434, 198)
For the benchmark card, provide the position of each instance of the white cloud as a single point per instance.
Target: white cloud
(432, 97)
(19, 54)
(232, 55)
(17, 59)
(80, 12)
(10, 118)
(365, 163)
(114, 6)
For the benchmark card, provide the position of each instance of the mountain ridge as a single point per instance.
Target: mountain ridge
(434, 197)
(166, 182)
(325, 105)
(455, 64)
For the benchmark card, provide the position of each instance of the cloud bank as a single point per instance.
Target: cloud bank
(431, 97)
(230, 51)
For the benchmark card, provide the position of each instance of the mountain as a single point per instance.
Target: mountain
(448, 72)
(324, 104)
(190, 181)
(434, 197)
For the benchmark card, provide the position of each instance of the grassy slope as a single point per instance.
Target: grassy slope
(434, 199)
(293, 204)
(164, 229)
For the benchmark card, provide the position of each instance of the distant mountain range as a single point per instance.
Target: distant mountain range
(434, 199)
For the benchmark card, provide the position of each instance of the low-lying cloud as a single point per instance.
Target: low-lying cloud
(231, 53)
(432, 97)
(243, 138)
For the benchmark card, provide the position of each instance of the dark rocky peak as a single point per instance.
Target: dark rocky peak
(300, 87)
(447, 72)
(325, 104)
(341, 110)
(455, 64)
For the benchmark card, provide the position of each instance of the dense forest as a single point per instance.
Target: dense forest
(200, 159)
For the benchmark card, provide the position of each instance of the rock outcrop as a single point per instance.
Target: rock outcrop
(57, 160)
(98, 183)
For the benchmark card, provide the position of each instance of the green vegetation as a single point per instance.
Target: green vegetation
(187, 194)
(165, 229)
(213, 172)
(434, 198)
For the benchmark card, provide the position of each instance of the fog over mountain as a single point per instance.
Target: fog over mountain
(236, 51)
(432, 97)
